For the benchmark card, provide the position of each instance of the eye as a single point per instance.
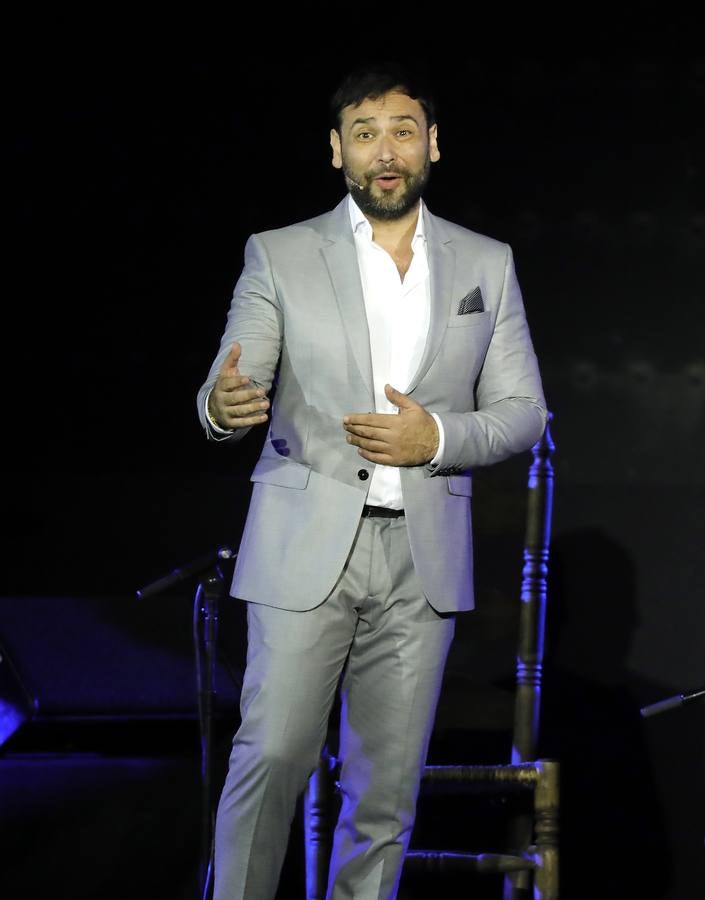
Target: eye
(364, 135)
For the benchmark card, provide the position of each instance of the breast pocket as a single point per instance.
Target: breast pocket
(463, 348)
(470, 320)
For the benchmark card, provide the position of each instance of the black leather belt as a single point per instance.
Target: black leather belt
(382, 511)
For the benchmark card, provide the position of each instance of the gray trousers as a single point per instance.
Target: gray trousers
(378, 629)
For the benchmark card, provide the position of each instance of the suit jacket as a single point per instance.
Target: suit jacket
(298, 312)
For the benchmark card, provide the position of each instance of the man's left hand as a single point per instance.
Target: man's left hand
(408, 438)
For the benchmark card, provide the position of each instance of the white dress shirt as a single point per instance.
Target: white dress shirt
(398, 314)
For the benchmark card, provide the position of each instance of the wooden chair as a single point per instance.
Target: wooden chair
(529, 864)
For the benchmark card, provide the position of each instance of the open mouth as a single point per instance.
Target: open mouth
(388, 180)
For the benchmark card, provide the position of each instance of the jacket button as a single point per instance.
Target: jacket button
(363, 474)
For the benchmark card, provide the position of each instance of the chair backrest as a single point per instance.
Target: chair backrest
(490, 703)
(532, 618)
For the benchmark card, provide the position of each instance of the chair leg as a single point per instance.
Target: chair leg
(543, 884)
(518, 885)
(547, 831)
(318, 826)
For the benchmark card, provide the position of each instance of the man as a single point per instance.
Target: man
(402, 359)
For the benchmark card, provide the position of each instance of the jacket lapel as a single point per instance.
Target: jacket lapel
(341, 260)
(441, 262)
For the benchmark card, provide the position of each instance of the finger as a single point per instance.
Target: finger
(367, 431)
(232, 359)
(376, 420)
(233, 382)
(237, 413)
(397, 398)
(238, 391)
(384, 459)
(245, 408)
(245, 421)
(366, 444)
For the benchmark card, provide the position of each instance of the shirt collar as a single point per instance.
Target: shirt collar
(361, 225)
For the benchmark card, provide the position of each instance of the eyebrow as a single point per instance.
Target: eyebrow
(370, 119)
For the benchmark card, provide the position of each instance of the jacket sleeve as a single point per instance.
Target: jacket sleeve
(510, 413)
(254, 320)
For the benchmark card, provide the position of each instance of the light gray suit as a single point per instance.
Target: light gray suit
(298, 312)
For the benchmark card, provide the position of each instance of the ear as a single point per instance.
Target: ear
(337, 160)
(433, 152)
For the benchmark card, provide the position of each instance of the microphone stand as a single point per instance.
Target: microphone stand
(671, 702)
(209, 590)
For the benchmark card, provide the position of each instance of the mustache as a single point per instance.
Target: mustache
(387, 170)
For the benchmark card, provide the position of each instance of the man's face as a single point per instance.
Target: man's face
(385, 150)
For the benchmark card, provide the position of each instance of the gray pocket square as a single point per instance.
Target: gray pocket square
(471, 303)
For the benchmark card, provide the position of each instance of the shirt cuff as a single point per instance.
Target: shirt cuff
(441, 442)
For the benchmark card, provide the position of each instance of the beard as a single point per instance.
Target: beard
(390, 204)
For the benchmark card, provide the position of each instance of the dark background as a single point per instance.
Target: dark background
(140, 156)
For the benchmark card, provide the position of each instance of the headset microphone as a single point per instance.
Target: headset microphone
(351, 181)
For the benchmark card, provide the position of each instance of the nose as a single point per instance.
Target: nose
(386, 149)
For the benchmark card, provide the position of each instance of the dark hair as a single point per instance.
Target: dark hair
(373, 80)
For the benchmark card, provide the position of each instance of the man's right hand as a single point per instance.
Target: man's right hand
(234, 402)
